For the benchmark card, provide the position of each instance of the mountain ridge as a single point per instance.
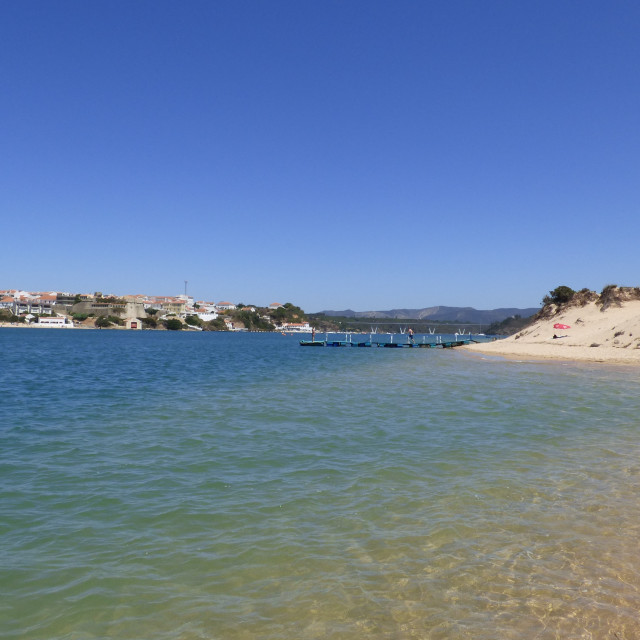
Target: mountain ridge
(438, 313)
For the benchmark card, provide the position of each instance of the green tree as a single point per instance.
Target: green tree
(173, 324)
(252, 320)
(215, 325)
(102, 322)
(560, 295)
(193, 321)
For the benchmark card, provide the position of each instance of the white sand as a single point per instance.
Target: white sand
(611, 336)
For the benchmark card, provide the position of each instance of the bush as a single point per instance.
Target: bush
(215, 325)
(583, 297)
(173, 324)
(560, 295)
(287, 313)
(103, 322)
(612, 295)
(7, 316)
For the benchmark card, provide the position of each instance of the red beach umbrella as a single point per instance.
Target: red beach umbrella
(561, 326)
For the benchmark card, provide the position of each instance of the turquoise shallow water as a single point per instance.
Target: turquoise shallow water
(167, 485)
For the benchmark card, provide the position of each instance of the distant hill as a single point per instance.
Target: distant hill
(439, 314)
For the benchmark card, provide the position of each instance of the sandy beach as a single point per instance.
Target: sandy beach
(610, 335)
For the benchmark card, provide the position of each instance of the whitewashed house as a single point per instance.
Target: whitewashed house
(57, 322)
(295, 327)
(204, 314)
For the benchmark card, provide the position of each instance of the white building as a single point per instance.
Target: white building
(55, 322)
(24, 302)
(296, 327)
(188, 300)
(204, 315)
(207, 306)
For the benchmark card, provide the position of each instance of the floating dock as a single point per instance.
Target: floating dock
(449, 344)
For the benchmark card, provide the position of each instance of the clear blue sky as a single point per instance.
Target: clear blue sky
(365, 154)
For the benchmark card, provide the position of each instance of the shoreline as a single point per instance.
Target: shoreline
(589, 333)
(35, 325)
(558, 353)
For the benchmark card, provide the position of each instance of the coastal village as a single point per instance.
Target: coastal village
(55, 309)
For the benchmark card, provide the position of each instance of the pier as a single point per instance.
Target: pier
(370, 343)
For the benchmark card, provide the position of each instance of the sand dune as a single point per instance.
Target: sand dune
(596, 334)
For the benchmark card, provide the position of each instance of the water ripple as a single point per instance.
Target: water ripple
(225, 486)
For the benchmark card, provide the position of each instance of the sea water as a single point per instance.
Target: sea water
(237, 486)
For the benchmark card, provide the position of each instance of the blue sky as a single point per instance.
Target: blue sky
(360, 154)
